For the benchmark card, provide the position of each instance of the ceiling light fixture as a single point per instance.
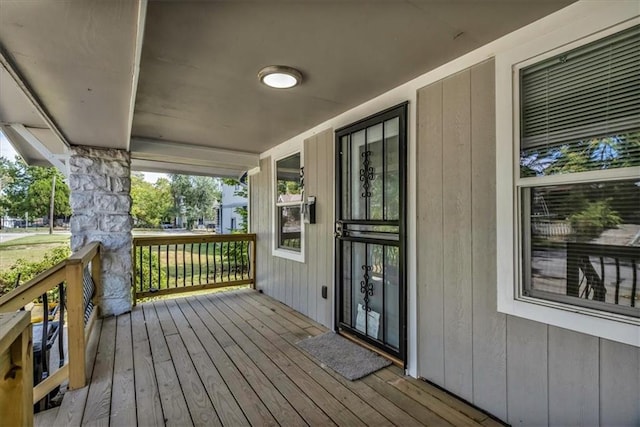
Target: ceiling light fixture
(280, 76)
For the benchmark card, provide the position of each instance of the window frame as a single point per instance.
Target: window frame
(278, 251)
(511, 298)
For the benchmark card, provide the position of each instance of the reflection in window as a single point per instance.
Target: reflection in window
(580, 130)
(289, 189)
(289, 227)
(585, 243)
(288, 179)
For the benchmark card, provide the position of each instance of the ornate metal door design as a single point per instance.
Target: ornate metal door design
(370, 230)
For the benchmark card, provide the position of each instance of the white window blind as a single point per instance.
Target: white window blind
(589, 92)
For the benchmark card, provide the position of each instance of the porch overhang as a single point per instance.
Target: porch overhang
(151, 77)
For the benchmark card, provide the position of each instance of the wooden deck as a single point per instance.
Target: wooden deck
(230, 358)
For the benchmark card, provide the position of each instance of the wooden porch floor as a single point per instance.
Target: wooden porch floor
(230, 358)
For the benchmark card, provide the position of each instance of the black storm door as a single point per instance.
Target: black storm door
(370, 230)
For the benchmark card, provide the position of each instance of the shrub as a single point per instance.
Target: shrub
(27, 270)
(594, 219)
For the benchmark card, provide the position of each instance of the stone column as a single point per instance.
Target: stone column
(100, 183)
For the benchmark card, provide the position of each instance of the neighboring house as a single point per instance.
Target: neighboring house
(409, 129)
(229, 219)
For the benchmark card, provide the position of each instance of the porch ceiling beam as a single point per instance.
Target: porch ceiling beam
(185, 169)
(32, 97)
(35, 143)
(142, 16)
(176, 152)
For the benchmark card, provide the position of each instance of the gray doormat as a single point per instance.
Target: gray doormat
(343, 356)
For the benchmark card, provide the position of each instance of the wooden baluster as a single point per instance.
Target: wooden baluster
(96, 274)
(253, 261)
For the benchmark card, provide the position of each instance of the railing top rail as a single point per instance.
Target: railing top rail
(46, 280)
(84, 255)
(203, 238)
(11, 325)
(34, 287)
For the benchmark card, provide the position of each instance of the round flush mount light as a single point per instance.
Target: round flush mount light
(280, 76)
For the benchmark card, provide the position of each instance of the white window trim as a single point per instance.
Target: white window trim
(615, 327)
(277, 251)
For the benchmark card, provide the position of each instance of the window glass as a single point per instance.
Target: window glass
(580, 112)
(289, 188)
(584, 243)
(290, 227)
(582, 155)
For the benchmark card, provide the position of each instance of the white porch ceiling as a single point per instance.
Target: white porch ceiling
(197, 86)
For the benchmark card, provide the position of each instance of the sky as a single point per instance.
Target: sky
(7, 151)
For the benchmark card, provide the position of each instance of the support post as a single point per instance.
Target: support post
(75, 313)
(16, 369)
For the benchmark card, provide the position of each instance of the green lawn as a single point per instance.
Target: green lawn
(37, 239)
(31, 248)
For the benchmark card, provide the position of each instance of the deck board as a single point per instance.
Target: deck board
(149, 409)
(230, 358)
(98, 407)
(123, 399)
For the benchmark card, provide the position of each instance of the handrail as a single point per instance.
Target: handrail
(200, 238)
(32, 289)
(71, 272)
(84, 255)
(165, 265)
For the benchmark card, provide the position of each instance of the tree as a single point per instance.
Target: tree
(27, 189)
(594, 207)
(151, 203)
(195, 195)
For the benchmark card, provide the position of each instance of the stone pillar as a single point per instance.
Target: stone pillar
(100, 183)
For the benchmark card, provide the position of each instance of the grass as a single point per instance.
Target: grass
(37, 239)
(9, 255)
(31, 248)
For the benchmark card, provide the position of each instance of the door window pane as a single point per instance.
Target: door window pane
(392, 170)
(347, 282)
(374, 171)
(345, 152)
(358, 199)
(392, 296)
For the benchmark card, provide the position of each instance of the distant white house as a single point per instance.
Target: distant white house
(228, 219)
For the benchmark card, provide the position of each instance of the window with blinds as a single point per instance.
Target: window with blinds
(580, 132)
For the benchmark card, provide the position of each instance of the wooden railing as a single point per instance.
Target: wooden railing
(167, 265)
(70, 278)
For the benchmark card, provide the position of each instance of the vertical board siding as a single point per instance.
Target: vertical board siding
(619, 384)
(527, 370)
(572, 402)
(298, 284)
(430, 235)
(521, 371)
(489, 326)
(458, 365)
